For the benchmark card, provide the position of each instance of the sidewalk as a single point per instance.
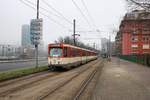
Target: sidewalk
(123, 80)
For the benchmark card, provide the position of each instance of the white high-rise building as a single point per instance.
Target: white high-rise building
(25, 40)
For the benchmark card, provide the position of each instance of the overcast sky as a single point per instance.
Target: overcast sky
(106, 15)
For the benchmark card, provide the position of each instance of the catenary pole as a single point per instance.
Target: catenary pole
(37, 9)
(74, 31)
(36, 45)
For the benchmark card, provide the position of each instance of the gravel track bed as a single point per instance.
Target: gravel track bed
(88, 92)
(26, 83)
(69, 90)
(35, 87)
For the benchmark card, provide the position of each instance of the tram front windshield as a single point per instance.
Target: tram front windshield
(56, 52)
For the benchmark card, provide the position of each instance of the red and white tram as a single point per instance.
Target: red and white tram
(68, 56)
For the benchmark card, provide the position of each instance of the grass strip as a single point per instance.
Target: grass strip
(21, 72)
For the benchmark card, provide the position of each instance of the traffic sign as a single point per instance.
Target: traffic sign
(36, 28)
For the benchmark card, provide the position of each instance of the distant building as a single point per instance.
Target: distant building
(113, 48)
(104, 45)
(10, 51)
(27, 49)
(134, 34)
(25, 36)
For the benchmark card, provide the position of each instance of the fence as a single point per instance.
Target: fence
(142, 59)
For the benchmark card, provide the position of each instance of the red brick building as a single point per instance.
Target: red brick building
(134, 34)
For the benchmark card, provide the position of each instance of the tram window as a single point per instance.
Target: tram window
(84, 53)
(65, 52)
(56, 52)
(78, 52)
(73, 52)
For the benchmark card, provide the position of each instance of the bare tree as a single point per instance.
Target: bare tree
(139, 4)
(69, 40)
(61, 40)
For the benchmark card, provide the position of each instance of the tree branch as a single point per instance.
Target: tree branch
(144, 4)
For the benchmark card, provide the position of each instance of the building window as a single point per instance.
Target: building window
(134, 46)
(145, 30)
(134, 39)
(134, 53)
(146, 52)
(134, 32)
(145, 46)
(145, 39)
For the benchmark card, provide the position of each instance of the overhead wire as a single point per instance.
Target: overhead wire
(91, 18)
(23, 1)
(91, 38)
(81, 12)
(51, 19)
(43, 9)
(60, 14)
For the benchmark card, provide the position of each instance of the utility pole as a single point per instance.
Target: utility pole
(36, 32)
(109, 45)
(3, 50)
(37, 9)
(74, 31)
(36, 45)
(94, 45)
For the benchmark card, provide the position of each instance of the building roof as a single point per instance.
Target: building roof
(137, 14)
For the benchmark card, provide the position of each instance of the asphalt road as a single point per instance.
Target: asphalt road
(15, 65)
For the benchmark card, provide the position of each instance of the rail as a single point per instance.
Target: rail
(85, 84)
(63, 84)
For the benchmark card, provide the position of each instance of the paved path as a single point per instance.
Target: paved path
(123, 80)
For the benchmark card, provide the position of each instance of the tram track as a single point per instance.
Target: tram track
(25, 82)
(72, 94)
(84, 85)
(43, 85)
(88, 85)
(42, 97)
(63, 84)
